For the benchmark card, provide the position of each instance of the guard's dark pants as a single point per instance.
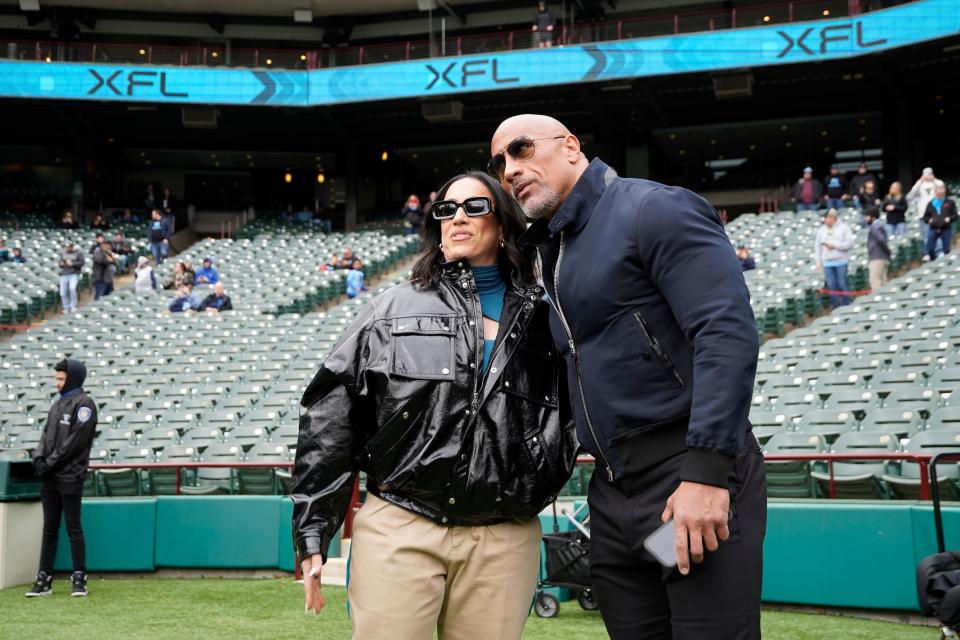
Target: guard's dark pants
(638, 598)
(56, 498)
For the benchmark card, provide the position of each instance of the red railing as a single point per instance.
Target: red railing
(310, 58)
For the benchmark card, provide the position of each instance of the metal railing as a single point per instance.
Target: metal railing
(307, 58)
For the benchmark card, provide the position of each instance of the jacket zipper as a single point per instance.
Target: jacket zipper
(658, 350)
(576, 358)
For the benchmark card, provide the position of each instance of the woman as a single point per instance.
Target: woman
(895, 208)
(939, 217)
(448, 393)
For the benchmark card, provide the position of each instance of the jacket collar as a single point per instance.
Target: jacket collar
(458, 270)
(576, 209)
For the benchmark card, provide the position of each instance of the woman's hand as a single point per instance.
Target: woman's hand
(311, 583)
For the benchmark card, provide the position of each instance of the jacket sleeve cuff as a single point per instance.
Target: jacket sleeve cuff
(707, 467)
(310, 545)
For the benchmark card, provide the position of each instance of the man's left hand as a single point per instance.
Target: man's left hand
(700, 513)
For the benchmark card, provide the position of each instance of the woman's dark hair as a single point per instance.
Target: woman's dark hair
(516, 263)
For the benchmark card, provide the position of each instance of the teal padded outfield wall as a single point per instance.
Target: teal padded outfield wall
(900, 26)
(830, 553)
(222, 532)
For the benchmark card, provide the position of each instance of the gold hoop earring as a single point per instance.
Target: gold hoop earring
(440, 245)
(501, 242)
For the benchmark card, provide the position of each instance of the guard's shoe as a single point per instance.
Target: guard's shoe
(42, 587)
(79, 580)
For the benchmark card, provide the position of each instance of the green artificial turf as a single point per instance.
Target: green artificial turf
(214, 609)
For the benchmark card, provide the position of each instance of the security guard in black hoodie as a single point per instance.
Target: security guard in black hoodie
(61, 461)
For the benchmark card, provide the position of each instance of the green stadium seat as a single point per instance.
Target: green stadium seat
(858, 480)
(791, 479)
(262, 481)
(906, 485)
(767, 424)
(126, 481)
(164, 481)
(216, 480)
(829, 423)
(898, 421)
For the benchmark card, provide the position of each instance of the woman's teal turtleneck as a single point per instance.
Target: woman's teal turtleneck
(492, 289)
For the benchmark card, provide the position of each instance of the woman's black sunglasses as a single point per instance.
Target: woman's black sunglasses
(521, 148)
(473, 207)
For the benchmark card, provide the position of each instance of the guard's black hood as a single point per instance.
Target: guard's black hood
(76, 374)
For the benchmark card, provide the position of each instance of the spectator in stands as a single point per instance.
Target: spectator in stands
(61, 459)
(323, 221)
(543, 25)
(146, 279)
(99, 222)
(217, 301)
(806, 193)
(305, 214)
(4, 251)
(183, 301)
(940, 215)
(411, 215)
(121, 250)
(355, 280)
(104, 269)
(289, 215)
(832, 253)
(856, 184)
(189, 273)
(207, 274)
(182, 277)
(168, 204)
(747, 263)
(67, 221)
(920, 196)
(346, 261)
(18, 256)
(878, 248)
(835, 186)
(869, 199)
(128, 217)
(158, 235)
(895, 208)
(429, 203)
(97, 241)
(150, 201)
(449, 463)
(330, 265)
(71, 262)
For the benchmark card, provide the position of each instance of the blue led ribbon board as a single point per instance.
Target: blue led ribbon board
(883, 30)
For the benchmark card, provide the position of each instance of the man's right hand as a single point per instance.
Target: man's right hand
(311, 583)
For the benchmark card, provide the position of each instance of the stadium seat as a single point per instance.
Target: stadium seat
(247, 436)
(829, 423)
(791, 479)
(201, 437)
(767, 424)
(263, 481)
(164, 481)
(858, 480)
(216, 480)
(125, 481)
(906, 484)
(898, 421)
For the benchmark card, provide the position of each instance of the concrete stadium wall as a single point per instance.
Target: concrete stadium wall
(830, 553)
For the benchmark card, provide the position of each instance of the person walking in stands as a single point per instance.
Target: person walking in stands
(920, 195)
(543, 26)
(650, 310)
(355, 280)
(806, 193)
(878, 248)
(862, 176)
(835, 187)
(832, 254)
(217, 301)
(61, 459)
(895, 208)
(940, 215)
(71, 263)
(869, 199)
(447, 392)
(104, 269)
(146, 279)
(158, 235)
(207, 274)
(412, 215)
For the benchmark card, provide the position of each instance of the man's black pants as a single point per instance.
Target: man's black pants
(56, 498)
(638, 598)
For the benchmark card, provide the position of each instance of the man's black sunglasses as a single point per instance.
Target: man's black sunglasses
(521, 148)
(473, 207)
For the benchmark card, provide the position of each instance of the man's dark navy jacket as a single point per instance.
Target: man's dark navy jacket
(661, 321)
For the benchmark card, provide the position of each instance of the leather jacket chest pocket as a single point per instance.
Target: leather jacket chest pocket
(424, 347)
(532, 374)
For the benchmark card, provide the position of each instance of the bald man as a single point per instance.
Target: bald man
(652, 313)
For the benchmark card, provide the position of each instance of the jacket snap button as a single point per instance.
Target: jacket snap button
(405, 415)
(452, 501)
(513, 335)
(534, 438)
(472, 323)
(463, 284)
(445, 371)
(468, 411)
(463, 456)
(493, 370)
(473, 366)
(507, 383)
(547, 398)
(459, 264)
(444, 519)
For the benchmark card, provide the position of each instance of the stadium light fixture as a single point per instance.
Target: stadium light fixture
(303, 57)
(288, 177)
(321, 178)
(384, 156)
(142, 52)
(214, 54)
(826, 12)
(269, 60)
(47, 59)
(766, 18)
